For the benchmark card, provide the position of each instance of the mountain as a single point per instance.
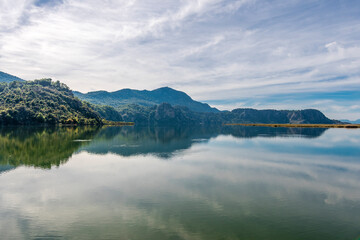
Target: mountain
(43, 102)
(5, 77)
(166, 106)
(107, 112)
(166, 114)
(47, 102)
(124, 97)
(348, 121)
(307, 116)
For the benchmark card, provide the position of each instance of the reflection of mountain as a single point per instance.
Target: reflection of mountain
(164, 142)
(5, 168)
(40, 147)
(47, 147)
(250, 132)
(227, 189)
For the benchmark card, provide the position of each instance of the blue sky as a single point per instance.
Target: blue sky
(292, 54)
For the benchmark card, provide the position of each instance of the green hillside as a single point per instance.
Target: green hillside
(47, 102)
(166, 114)
(43, 102)
(124, 97)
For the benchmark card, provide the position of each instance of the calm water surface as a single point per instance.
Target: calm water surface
(179, 183)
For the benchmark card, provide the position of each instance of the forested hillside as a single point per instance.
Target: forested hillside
(107, 112)
(166, 114)
(47, 102)
(43, 102)
(124, 97)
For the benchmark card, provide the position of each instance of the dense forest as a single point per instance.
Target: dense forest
(167, 106)
(43, 102)
(166, 114)
(107, 112)
(123, 97)
(50, 102)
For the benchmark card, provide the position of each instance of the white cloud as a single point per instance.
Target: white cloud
(213, 49)
(11, 13)
(198, 49)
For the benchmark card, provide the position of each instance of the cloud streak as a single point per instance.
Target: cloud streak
(216, 50)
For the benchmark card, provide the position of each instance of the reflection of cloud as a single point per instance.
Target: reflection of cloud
(227, 178)
(45, 3)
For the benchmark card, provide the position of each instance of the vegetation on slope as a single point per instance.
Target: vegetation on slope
(43, 102)
(107, 112)
(124, 97)
(270, 116)
(165, 114)
(47, 102)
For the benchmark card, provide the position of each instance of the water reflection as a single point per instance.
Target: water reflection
(217, 185)
(47, 147)
(39, 146)
(165, 142)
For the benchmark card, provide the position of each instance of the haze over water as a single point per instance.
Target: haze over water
(179, 183)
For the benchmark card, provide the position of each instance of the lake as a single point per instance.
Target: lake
(179, 183)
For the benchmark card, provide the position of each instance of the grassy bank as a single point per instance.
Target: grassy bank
(296, 125)
(111, 123)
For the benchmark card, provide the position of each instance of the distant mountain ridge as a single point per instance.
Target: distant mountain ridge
(5, 77)
(44, 101)
(306, 116)
(165, 114)
(145, 98)
(348, 121)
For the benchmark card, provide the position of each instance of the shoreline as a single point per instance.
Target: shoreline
(290, 125)
(104, 123)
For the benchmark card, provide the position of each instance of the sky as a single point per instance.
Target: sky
(276, 54)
